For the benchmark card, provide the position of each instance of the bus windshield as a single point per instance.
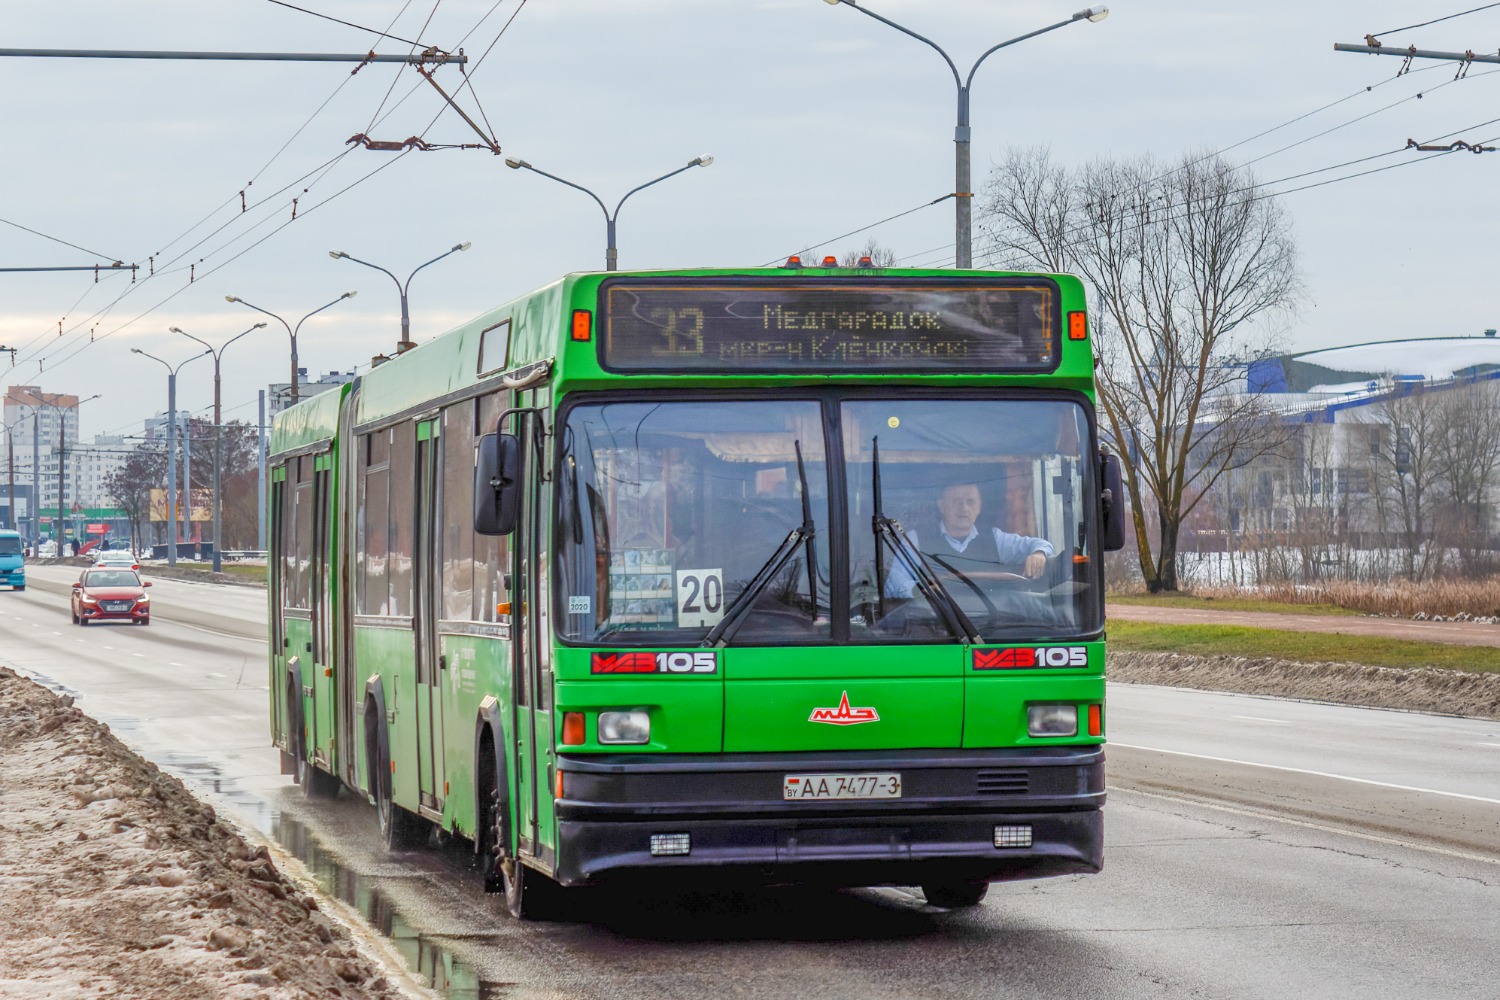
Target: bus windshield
(10, 545)
(993, 528)
(669, 510)
(966, 521)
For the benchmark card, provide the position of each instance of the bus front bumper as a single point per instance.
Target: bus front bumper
(1044, 805)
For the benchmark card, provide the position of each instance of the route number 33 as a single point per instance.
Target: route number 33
(700, 597)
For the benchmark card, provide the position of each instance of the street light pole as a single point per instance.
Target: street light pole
(62, 429)
(218, 354)
(611, 252)
(963, 195)
(291, 331)
(171, 447)
(406, 343)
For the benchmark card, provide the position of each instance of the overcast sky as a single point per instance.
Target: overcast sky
(821, 121)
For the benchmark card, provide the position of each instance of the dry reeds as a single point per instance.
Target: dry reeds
(1400, 598)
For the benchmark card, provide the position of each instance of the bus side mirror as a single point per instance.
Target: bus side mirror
(497, 484)
(1112, 503)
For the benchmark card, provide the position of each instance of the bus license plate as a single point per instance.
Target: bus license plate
(800, 787)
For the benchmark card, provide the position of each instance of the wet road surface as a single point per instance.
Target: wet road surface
(1255, 848)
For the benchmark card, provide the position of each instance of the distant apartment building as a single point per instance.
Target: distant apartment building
(33, 420)
(279, 394)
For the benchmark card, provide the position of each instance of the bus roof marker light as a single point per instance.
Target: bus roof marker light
(830, 261)
(865, 262)
(1078, 326)
(583, 324)
(793, 261)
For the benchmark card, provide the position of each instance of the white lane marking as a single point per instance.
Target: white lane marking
(1316, 774)
(139, 656)
(178, 665)
(1490, 744)
(1341, 831)
(1256, 718)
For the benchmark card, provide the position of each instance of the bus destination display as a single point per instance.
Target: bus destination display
(908, 327)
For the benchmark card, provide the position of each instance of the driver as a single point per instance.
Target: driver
(958, 542)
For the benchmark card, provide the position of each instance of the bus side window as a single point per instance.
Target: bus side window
(491, 552)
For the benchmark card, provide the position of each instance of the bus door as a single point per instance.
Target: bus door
(317, 675)
(275, 532)
(532, 675)
(426, 570)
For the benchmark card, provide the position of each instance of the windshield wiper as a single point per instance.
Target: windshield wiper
(738, 609)
(917, 565)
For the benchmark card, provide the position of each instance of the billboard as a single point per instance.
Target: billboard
(202, 506)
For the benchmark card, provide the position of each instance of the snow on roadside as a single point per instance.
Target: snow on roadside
(116, 882)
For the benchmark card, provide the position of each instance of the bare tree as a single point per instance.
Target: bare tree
(131, 483)
(879, 256)
(1468, 453)
(1187, 265)
(1408, 477)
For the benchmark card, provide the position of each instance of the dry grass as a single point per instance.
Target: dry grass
(1401, 598)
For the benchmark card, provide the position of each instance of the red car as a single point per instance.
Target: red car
(111, 595)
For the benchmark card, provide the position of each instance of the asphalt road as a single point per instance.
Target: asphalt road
(1255, 848)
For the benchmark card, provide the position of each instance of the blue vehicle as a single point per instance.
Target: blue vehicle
(12, 560)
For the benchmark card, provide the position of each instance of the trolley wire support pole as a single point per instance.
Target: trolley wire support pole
(963, 195)
(1413, 52)
(415, 59)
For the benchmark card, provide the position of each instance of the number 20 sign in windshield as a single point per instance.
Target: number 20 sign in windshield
(910, 326)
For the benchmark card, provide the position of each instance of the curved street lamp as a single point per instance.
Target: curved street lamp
(171, 445)
(611, 253)
(291, 331)
(963, 195)
(218, 439)
(406, 343)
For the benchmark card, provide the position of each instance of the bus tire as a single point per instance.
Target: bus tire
(954, 894)
(528, 894)
(315, 784)
(399, 829)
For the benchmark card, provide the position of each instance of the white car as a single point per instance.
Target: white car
(118, 559)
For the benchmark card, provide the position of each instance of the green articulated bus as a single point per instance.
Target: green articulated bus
(767, 575)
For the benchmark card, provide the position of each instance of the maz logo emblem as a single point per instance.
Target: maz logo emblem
(844, 715)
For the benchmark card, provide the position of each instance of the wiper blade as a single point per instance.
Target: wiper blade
(738, 609)
(926, 580)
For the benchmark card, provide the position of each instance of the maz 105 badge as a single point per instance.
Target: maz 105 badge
(1024, 657)
(697, 662)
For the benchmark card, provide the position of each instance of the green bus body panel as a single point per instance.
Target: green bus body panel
(760, 699)
(312, 421)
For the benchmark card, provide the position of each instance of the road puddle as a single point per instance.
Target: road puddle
(434, 963)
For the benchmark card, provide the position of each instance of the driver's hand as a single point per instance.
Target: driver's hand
(1036, 565)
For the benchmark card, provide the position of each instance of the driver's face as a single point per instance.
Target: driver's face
(959, 506)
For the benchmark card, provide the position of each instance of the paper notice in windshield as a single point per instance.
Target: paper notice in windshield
(700, 597)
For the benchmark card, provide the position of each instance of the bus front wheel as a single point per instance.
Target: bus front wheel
(528, 894)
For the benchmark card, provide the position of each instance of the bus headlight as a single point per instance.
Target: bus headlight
(624, 727)
(1052, 720)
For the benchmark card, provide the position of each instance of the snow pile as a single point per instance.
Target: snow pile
(115, 881)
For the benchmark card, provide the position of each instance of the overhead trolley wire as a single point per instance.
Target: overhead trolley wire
(1436, 20)
(324, 168)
